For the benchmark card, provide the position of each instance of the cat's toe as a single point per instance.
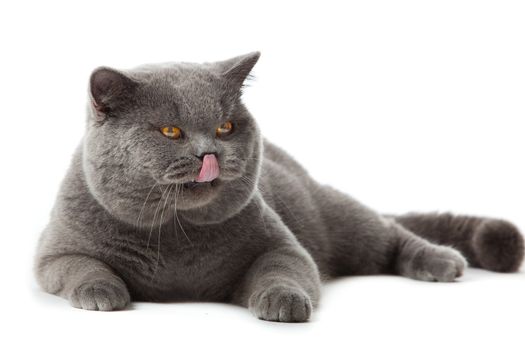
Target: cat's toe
(283, 304)
(100, 295)
(438, 264)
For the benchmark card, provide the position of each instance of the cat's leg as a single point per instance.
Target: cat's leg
(86, 282)
(283, 283)
(364, 242)
(491, 244)
(417, 258)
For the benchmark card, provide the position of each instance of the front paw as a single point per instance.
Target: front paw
(102, 295)
(280, 303)
(437, 264)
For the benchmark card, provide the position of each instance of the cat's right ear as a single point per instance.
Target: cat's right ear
(108, 89)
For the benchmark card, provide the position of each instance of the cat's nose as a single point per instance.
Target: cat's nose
(201, 156)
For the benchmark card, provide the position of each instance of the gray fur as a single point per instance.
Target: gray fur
(263, 235)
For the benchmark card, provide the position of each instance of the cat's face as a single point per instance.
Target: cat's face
(181, 127)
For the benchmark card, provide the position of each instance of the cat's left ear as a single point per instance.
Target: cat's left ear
(235, 70)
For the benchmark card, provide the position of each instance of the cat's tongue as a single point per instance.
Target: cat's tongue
(209, 170)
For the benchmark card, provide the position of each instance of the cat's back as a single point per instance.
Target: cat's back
(275, 157)
(284, 182)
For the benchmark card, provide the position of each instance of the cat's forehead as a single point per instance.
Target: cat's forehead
(178, 74)
(193, 89)
(192, 80)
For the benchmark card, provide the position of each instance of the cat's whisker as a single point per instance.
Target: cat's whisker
(154, 217)
(139, 219)
(250, 182)
(276, 196)
(246, 179)
(170, 187)
(177, 217)
(177, 188)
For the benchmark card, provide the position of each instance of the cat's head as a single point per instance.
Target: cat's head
(177, 127)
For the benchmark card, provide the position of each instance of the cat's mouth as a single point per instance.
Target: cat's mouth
(206, 179)
(208, 174)
(191, 185)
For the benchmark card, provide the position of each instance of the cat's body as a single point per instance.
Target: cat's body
(129, 223)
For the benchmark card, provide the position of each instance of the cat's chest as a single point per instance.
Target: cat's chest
(186, 265)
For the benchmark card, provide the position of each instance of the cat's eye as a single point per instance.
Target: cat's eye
(224, 129)
(171, 132)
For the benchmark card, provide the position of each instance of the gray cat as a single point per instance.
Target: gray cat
(174, 195)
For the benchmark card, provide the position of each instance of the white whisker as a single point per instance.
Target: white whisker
(155, 216)
(170, 187)
(177, 217)
(144, 206)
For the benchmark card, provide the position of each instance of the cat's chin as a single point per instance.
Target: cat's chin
(194, 194)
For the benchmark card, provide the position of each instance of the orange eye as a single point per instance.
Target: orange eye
(224, 129)
(171, 132)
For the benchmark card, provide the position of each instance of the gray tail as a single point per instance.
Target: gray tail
(491, 244)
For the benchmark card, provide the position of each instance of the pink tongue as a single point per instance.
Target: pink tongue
(209, 170)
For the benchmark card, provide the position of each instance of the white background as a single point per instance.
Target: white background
(406, 105)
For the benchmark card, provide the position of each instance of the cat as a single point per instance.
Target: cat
(173, 194)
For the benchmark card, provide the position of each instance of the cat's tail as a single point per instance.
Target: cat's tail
(490, 244)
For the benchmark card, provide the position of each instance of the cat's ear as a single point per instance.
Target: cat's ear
(108, 89)
(235, 70)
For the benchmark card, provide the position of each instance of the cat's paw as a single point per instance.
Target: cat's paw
(437, 264)
(102, 295)
(280, 303)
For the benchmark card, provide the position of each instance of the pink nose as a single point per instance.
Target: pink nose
(209, 170)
